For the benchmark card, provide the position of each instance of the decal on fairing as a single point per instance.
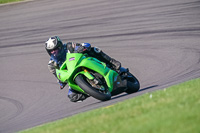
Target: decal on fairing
(73, 58)
(59, 75)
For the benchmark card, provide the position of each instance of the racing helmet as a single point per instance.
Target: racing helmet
(54, 46)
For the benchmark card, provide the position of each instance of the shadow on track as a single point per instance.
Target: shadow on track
(150, 87)
(122, 95)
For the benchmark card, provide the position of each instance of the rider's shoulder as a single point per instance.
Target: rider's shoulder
(86, 44)
(73, 44)
(65, 46)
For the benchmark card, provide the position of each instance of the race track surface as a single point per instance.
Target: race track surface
(159, 41)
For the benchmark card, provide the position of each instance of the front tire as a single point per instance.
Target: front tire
(82, 82)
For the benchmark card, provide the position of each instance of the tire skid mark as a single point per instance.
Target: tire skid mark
(189, 71)
(17, 104)
(148, 32)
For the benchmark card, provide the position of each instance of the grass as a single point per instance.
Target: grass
(8, 1)
(172, 110)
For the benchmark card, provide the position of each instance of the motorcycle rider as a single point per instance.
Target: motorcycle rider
(57, 51)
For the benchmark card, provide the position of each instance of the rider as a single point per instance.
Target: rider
(57, 51)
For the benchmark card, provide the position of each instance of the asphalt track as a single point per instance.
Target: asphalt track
(159, 41)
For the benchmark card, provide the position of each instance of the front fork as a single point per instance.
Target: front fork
(86, 73)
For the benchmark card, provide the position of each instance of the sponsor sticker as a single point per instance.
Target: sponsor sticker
(73, 58)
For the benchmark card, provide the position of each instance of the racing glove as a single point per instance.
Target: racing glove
(62, 85)
(83, 47)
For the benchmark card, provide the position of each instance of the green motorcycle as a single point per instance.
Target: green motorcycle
(90, 76)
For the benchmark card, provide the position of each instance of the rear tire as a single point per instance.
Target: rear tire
(81, 81)
(133, 84)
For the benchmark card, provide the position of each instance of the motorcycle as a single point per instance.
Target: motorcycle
(90, 76)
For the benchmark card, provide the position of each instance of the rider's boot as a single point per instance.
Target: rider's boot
(62, 85)
(76, 96)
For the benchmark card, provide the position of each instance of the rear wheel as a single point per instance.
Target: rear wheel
(94, 89)
(133, 84)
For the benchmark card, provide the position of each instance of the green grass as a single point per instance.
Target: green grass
(172, 110)
(8, 1)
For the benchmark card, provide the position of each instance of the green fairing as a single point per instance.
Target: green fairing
(72, 67)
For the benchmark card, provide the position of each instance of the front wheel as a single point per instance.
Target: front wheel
(98, 92)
